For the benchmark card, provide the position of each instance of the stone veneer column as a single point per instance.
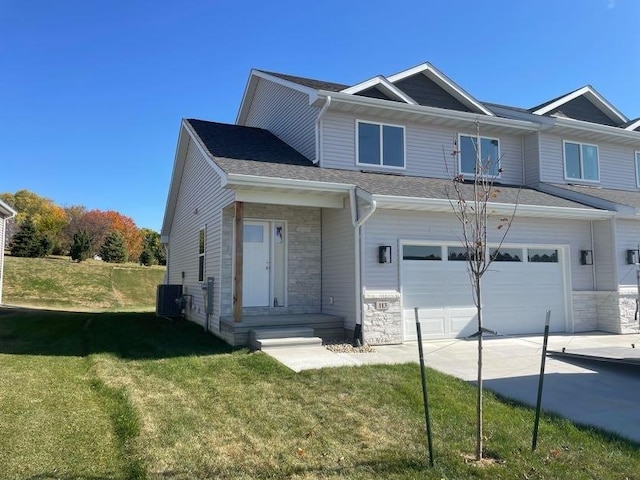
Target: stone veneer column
(382, 318)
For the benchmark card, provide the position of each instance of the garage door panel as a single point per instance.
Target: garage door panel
(516, 296)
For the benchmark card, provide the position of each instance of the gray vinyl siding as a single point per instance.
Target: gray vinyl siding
(617, 163)
(2, 245)
(427, 148)
(286, 113)
(388, 227)
(627, 238)
(532, 159)
(426, 92)
(338, 265)
(200, 190)
(582, 109)
(604, 257)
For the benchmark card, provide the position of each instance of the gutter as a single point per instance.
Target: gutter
(356, 100)
(318, 127)
(357, 227)
(444, 205)
(239, 180)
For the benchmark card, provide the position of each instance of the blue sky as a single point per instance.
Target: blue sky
(92, 92)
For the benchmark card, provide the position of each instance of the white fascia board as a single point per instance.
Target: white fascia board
(7, 211)
(597, 128)
(247, 97)
(241, 180)
(633, 126)
(186, 135)
(300, 199)
(445, 205)
(588, 91)
(389, 87)
(445, 82)
(423, 110)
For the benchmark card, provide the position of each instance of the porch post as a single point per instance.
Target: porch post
(237, 274)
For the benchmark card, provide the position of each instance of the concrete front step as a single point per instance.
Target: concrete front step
(282, 337)
(287, 342)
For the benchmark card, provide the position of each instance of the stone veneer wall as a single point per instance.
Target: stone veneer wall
(303, 261)
(608, 311)
(382, 326)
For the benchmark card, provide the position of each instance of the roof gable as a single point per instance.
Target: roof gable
(584, 104)
(632, 125)
(383, 86)
(432, 91)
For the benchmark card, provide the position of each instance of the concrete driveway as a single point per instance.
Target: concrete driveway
(586, 392)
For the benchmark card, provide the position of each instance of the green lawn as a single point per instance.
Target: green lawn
(129, 395)
(57, 282)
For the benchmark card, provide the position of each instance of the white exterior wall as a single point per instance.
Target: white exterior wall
(286, 113)
(388, 227)
(338, 265)
(424, 146)
(199, 189)
(2, 245)
(627, 238)
(617, 164)
(532, 159)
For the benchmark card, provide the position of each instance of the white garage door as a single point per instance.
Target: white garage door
(521, 285)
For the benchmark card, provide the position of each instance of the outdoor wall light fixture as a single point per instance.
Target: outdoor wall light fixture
(384, 254)
(632, 257)
(586, 257)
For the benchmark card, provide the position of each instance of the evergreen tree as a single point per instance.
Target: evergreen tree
(81, 246)
(147, 258)
(25, 241)
(113, 248)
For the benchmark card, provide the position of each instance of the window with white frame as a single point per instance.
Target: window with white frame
(380, 145)
(486, 151)
(202, 240)
(581, 161)
(638, 169)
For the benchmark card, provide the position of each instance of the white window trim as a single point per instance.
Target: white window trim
(564, 161)
(381, 165)
(637, 157)
(460, 135)
(202, 255)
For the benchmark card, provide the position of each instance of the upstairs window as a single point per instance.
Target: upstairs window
(638, 169)
(380, 145)
(581, 162)
(488, 153)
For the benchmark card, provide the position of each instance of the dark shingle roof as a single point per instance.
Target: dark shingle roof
(621, 197)
(310, 82)
(257, 152)
(246, 143)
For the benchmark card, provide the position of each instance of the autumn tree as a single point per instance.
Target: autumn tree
(130, 233)
(471, 201)
(48, 218)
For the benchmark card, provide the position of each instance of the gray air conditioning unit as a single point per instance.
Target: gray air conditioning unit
(169, 301)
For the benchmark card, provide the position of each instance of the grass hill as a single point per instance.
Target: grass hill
(57, 282)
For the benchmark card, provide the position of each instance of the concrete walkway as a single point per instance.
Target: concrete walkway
(587, 392)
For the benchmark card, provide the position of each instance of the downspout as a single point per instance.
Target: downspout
(357, 224)
(324, 108)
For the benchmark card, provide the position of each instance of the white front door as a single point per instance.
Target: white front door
(256, 273)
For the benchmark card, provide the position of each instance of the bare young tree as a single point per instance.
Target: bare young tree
(471, 201)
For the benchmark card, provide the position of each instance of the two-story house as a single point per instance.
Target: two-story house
(328, 205)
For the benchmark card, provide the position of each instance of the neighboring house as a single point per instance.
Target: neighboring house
(6, 212)
(327, 205)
